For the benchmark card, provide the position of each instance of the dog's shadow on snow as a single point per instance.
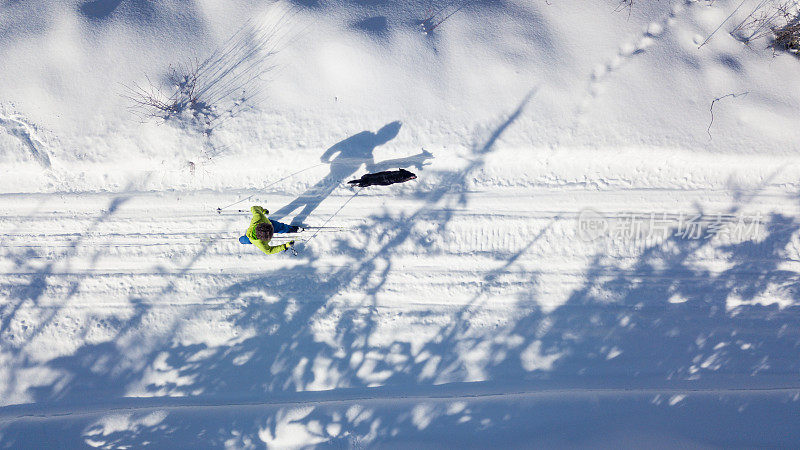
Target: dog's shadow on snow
(345, 158)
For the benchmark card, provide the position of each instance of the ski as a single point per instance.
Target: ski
(297, 234)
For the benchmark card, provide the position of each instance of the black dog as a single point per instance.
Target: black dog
(384, 178)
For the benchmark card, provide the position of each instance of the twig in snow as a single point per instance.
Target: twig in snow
(711, 109)
(720, 25)
(438, 16)
(625, 4)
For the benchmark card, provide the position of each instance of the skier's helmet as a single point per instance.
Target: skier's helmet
(264, 231)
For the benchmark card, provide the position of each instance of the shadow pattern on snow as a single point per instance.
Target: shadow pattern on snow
(619, 330)
(30, 290)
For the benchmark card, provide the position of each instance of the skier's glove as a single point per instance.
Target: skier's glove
(289, 244)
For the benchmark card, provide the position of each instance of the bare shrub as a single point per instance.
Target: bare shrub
(777, 21)
(203, 95)
(177, 99)
(787, 37)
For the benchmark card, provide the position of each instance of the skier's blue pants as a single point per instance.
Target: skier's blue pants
(278, 227)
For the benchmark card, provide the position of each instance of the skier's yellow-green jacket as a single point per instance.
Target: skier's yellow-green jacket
(260, 216)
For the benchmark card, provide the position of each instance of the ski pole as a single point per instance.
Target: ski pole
(219, 210)
(332, 216)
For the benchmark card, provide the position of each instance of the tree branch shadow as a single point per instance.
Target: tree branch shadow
(647, 336)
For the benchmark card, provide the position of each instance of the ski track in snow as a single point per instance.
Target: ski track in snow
(122, 296)
(179, 260)
(444, 394)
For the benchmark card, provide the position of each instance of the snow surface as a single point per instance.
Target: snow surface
(473, 307)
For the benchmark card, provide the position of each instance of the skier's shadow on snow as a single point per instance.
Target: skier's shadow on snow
(345, 158)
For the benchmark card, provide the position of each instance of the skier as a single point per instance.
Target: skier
(261, 230)
(383, 178)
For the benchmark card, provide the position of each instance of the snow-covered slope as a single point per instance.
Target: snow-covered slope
(601, 248)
